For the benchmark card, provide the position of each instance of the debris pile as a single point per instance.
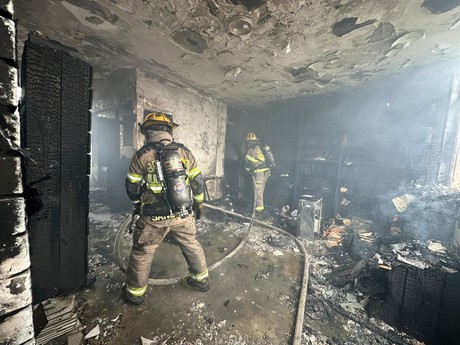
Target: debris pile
(365, 268)
(349, 281)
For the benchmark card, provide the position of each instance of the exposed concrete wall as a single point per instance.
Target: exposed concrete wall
(16, 325)
(201, 121)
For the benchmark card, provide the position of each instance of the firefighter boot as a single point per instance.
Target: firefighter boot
(194, 284)
(129, 298)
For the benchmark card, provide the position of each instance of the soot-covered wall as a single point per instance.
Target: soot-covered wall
(201, 122)
(16, 326)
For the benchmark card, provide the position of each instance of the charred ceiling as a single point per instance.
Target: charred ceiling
(253, 51)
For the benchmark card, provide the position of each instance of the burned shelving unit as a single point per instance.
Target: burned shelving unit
(341, 166)
(318, 164)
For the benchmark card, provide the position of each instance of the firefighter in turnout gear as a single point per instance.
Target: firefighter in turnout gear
(165, 185)
(258, 161)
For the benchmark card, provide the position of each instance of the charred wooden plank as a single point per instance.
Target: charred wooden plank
(57, 94)
(75, 146)
(41, 120)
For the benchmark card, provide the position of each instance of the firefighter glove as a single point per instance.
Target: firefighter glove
(137, 207)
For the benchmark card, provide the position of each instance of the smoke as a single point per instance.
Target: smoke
(230, 153)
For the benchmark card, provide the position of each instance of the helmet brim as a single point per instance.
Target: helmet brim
(149, 123)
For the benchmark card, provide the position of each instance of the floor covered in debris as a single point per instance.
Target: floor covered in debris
(253, 296)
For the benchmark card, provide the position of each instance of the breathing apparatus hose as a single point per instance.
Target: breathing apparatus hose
(170, 281)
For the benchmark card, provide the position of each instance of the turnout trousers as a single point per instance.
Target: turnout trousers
(261, 180)
(147, 236)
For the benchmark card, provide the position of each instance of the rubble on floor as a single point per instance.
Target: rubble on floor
(58, 316)
(343, 287)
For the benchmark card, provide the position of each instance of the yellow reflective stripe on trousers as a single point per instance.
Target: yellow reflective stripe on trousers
(134, 178)
(261, 169)
(200, 276)
(259, 208)
(136, 291)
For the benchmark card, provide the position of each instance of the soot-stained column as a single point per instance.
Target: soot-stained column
(56, 124)
(16, 326)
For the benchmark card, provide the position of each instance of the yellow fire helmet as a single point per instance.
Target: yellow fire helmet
(158, 118)
(251, 137)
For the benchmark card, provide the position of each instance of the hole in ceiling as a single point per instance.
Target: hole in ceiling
(249, 4)
(348, 25)
(440, 6)
(190, 41)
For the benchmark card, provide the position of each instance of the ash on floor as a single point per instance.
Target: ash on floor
(253, 297)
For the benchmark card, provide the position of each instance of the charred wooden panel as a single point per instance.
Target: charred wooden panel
(424, 302)
(41, 126)
(56, 125)
(421, 302)
(75, 125)
(448, 331)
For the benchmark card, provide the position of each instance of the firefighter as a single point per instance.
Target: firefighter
(258, 161)
(160, 177)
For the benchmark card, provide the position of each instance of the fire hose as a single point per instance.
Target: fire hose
(170, 281)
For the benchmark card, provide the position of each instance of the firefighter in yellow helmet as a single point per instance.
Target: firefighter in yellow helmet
(165, 185)
(258, 161)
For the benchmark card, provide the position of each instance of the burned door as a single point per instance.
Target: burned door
(56, 123)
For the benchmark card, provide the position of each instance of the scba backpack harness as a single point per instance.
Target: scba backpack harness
(172, 177)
